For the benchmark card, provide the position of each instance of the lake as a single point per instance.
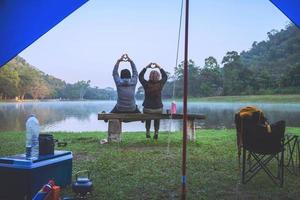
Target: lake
(78, 116)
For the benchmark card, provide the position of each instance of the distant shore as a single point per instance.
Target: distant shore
(286, 98)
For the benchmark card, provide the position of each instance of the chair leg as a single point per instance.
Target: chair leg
(282, 168)
(278, 158)
(249, 162)
(243, 165)
(291, 150)
(298, 144)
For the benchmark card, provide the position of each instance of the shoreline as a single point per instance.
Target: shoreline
(289, 98)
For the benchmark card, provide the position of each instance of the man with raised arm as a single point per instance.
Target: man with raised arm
(125, 87)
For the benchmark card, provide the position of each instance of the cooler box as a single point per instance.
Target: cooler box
(21, 178)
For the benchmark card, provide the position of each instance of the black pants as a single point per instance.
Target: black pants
(115, 110)
(156, 121)
(156, 125)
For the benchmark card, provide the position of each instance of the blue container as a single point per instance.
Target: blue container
(21, 178)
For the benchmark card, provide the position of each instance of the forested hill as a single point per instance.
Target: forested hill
(278, 56)
(20, 80)
(269, 67)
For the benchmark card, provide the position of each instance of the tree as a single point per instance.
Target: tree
(292, 77)
(55, 85)
(103, 94)
(82, 87)
(210, 78)
(237, 79)
(27, 81)
(32, 83)
(211, 63)
(76, 90)
(193, 76)
(9, 81)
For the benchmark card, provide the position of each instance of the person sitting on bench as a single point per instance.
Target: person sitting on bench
(152, 102)
(125, 87)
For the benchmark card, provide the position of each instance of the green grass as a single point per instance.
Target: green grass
(252, 98)
(137, 169)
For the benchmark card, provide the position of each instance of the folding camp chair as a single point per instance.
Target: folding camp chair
(262, 148)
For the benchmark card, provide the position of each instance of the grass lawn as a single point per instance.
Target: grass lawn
(137, 169)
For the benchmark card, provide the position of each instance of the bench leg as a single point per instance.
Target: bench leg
(114, 130)
(191, 131)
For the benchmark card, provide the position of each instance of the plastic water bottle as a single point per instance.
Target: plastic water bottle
(32, 137)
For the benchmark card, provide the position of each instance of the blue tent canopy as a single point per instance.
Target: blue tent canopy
(24, 21)
(291, 8)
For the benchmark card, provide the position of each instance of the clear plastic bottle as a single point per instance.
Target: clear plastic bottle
(32, 137)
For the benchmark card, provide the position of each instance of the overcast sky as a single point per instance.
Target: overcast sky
(86, 45)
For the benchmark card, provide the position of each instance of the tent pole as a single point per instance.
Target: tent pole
(185, 94)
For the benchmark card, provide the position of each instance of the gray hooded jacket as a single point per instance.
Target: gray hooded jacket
(126, 89)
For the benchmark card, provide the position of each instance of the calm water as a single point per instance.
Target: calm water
(82, 115)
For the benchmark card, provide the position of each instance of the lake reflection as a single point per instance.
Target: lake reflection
(82, 115)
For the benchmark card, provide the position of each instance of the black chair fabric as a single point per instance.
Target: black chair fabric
(258, 140)
(255, 136)
(263, 146)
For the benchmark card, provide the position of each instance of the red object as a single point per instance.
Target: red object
(46, 192)
(173, 107)
(55, 193)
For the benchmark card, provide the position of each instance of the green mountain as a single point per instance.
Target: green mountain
(269, 67)
(20, 80)
(278, 57)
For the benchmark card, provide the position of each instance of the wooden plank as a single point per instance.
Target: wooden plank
(191, 130)
(141, 116)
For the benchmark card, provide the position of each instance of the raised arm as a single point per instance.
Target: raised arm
(141, 76)
(164, 76)
(116, 73)
(134, 71)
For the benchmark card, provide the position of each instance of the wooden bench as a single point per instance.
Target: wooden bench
(115, 122)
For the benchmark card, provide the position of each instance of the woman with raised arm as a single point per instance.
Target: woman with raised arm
(152, 101)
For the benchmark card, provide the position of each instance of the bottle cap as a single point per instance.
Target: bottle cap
(32, 115)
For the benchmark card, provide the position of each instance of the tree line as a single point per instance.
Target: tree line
(269, 67)
(20, 80)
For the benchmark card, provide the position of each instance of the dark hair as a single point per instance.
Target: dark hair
(125, 73)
